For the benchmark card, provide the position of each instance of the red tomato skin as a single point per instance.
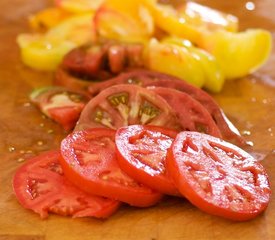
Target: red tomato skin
(153, 178)
(60, 188)
(139, 196)
(193, 194)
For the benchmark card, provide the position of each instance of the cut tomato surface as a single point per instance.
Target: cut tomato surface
(60, 104)
(123, 105)
(89, 161)
(148, 78)
(218, 177)
(40, 185)
(191, 114)
(141, 152)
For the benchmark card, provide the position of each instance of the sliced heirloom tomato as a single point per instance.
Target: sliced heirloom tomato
(46, 51)
(59, 104)
(79, 6)
(99, 61)
(175, 60)
(239, 53)
(148, 78)
(191, 114)
(126, 21)
(47, 18)
(190, 20)
(214, 77)
(141, 152)
(218, 177)
(123, 105)
(40, 185)
(89, 161)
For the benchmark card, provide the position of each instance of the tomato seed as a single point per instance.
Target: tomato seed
(20, 160)
(11, 149)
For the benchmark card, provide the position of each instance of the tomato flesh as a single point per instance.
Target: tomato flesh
(89, 161)
(218, 177)
(40, 185)
(141, 152)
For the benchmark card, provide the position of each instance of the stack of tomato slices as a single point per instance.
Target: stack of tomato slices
(137, 96)
(137, 137)
(97, 168)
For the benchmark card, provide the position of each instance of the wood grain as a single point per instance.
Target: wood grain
(249, 103)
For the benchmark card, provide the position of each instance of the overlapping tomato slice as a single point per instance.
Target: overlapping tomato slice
(89, 161)
(60, 104)
(142, 152)
(218, 177)
(40, 185)
(123, 105)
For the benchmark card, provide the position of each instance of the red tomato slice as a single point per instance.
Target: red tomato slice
(148, 78)
(192, 115)
(124, 105)
(89, 161)
(60, 104)
(141, 152)
(40, 185)
(218, 177)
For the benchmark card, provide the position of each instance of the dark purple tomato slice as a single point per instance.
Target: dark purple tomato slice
(191, 114)
(147, 78)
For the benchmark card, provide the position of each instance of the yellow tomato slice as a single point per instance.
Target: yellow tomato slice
(45, 52)
(189, 21)
(214, 77)
(112, 23)
(175, 60)
(78, 29)
(79, 6)
(207, 18)
(47, 18)
(40, 53)
(239, 53)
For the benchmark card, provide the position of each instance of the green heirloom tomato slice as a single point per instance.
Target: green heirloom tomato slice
(60, 104)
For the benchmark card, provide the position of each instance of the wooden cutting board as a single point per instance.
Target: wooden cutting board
(248, 102)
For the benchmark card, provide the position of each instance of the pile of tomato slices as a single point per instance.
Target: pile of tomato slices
(137, 96)
(136, 137)
(98, 168)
